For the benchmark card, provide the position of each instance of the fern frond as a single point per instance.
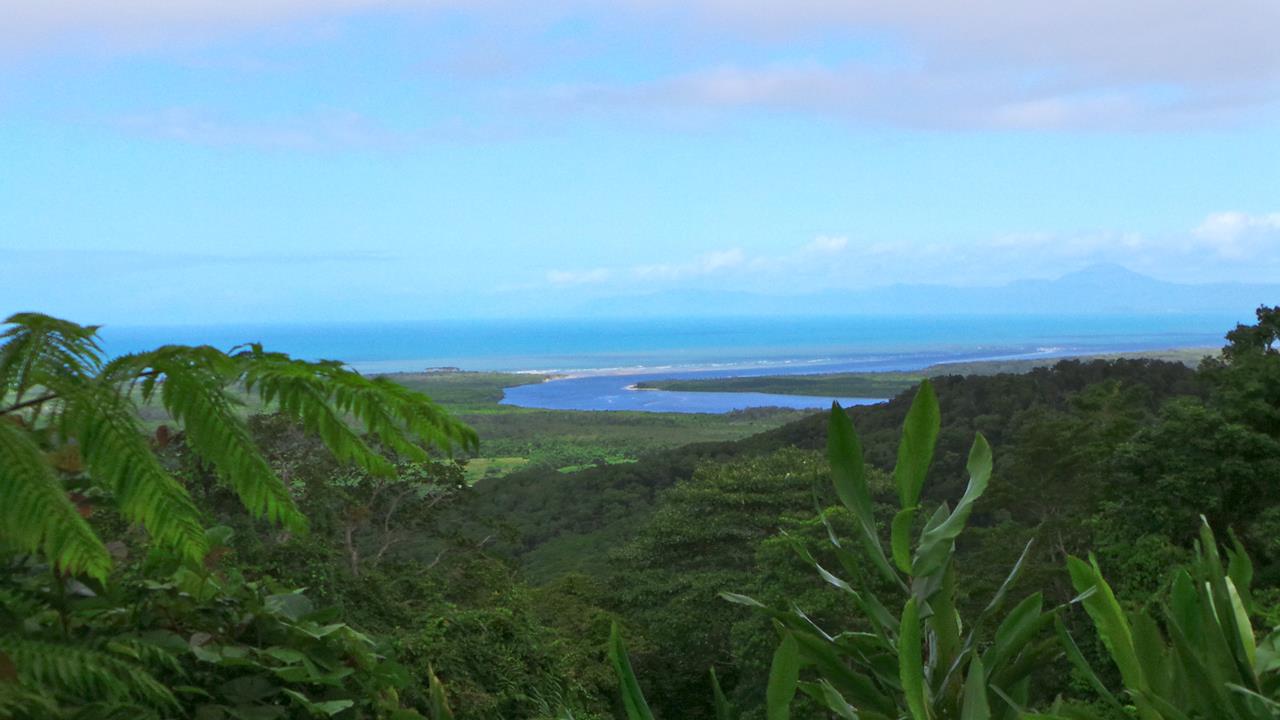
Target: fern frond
(87, 674)
(117, 455)
(38, 348)
(401, 418)
(35, 513)
(19, 703)
(300, 390)
(321, 394)
(192, 382)
(422, 417)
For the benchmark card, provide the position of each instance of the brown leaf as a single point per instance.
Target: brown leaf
(83, 504)
(67, 459)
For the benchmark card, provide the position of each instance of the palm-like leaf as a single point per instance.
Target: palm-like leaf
(117, 454)
(192, 383)
(38, 348)
(84, 672)
(94, 408)
(36, 514)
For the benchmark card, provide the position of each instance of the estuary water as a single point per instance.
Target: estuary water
(597, 360)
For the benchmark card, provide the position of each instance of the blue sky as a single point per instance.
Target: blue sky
(283, 160)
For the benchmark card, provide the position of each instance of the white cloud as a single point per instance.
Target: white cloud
(708, 264)
(1225, 226)
(578, 277)
(1011, 64)
(716, 264)
(1225, 245)
(1239, 236)
(827, 245)
(923, 95)
(327, 129)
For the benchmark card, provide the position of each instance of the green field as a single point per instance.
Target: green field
(513, 437)
(889, 384)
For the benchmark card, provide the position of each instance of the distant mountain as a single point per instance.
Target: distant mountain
(1099, 289)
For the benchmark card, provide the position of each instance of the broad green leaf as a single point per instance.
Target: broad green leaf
(945, 622)
(911, 661)
(438, 703)
(326, 708)
(1237, 633)
(1204, 686)
(831, 665)
(1243, 626)
(974, 706)
(848, 475)
(998, 599)
(784, 673)
(1016, 630)
(1149, 646)
(823, 693)
(724, 711)
(901, 538)
(915, 449)
(1240, 570)
(1108, 619)
(632, 697)
(1083, 668)
(936, 543)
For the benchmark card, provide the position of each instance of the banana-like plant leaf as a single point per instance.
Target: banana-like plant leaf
(915, 450)
(911, 661)
(848, 475)
(784, 673)
(823, 693)
(633, 701)
(724, 711)
(936, 543)
(974, 705)
(900, 538)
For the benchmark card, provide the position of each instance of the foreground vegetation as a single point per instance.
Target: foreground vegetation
(225, 564)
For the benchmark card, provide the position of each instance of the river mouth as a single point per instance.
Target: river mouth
(619, 392)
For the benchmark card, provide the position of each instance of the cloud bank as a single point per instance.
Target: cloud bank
(987, 64)
(1229, 244)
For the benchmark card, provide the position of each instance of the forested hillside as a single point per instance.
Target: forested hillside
(289, 564)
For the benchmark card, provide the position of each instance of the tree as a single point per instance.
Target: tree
(702, 541)
(1246, 379)
(382, 513)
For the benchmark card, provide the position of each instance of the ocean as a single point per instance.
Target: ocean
(599, 359)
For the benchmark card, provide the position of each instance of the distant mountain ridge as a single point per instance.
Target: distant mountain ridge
(1098, 289)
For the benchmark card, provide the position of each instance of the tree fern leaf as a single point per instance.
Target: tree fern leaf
(118, 456)
(35, 513)
(299, 390)
(38, 347)
(84, 673)
(17, 701)
(192, 383)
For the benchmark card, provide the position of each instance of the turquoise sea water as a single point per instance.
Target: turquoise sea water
(605, 356)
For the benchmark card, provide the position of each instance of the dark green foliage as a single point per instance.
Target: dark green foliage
(702, 541)
(1199, 657)
(167, 638)
(173, 630)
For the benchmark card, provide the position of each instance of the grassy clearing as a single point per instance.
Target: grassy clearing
(482, 468)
